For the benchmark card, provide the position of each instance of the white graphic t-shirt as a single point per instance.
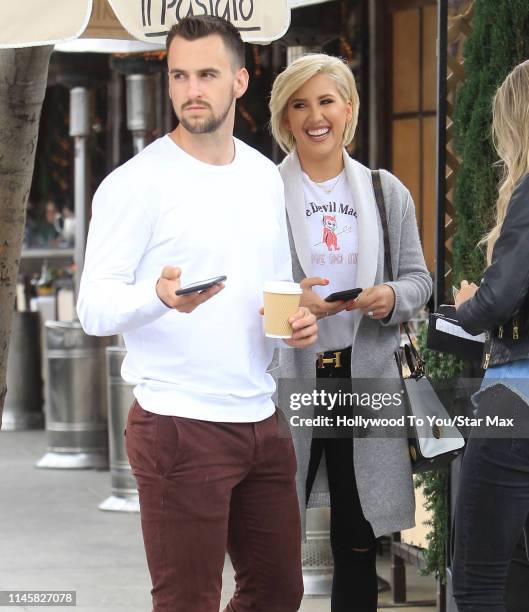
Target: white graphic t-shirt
(332, 228)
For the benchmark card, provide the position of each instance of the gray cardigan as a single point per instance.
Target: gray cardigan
(382, 466)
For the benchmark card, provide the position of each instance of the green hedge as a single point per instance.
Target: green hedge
(499, 41)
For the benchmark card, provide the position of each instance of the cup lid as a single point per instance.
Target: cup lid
(283, 287)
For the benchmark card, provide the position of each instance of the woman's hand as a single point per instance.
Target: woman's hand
(376, 302)
(310, 299)
(466, 292)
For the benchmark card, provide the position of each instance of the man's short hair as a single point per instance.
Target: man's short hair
(194, 28)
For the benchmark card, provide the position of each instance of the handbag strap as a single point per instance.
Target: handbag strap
(380, 200)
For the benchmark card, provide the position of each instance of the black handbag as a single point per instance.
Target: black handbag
(445, 335)
(433, 439)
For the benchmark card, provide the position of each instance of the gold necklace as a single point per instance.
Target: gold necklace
(331, 189)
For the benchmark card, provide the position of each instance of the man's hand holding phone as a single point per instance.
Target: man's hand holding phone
(169, 283)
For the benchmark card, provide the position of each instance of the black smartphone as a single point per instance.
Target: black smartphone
(349, 294)
(200, 285)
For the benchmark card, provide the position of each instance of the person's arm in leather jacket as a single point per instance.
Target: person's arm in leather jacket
(505, 283)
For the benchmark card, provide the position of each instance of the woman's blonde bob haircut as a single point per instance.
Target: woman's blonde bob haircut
(294, 77)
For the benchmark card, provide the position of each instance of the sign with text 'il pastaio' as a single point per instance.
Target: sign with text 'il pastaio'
(41, 22)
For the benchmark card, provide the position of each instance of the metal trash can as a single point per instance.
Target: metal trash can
(23, 402)
(124, 497)
(316, 554)
(76, 408)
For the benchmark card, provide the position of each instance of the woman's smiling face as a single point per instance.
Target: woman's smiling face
(317, 116)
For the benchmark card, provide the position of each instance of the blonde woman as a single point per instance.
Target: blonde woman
(493, 499)
(337, 244)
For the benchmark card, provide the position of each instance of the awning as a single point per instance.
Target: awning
(43, 22)
(299, 3)
(106, 45)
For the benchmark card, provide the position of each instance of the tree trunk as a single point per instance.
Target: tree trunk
(23, 78)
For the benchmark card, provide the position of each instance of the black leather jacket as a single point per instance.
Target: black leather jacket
(501, 304)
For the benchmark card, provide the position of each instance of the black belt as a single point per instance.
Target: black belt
(334, 359)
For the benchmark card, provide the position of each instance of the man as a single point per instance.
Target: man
(202, 436)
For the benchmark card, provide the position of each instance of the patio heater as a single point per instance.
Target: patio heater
(140, 109)
(80, 125)
(75, 406)
(124, 495)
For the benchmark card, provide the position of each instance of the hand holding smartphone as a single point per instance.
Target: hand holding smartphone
(348, 294)
(200, 285)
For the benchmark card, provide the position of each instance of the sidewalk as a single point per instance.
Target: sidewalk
(54, 537)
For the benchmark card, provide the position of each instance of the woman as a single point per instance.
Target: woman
(493, 499)
(337, 244)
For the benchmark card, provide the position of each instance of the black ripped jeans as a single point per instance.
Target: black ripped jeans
(353, 543)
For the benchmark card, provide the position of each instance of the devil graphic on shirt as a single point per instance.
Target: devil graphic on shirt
(329, 232)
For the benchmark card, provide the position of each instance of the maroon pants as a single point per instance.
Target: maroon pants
(208, 487)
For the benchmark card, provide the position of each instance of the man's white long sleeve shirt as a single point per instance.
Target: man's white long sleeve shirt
(165, 207)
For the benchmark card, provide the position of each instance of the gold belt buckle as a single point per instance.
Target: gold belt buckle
(325, 361)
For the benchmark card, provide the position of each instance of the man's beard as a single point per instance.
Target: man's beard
(208, 125)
